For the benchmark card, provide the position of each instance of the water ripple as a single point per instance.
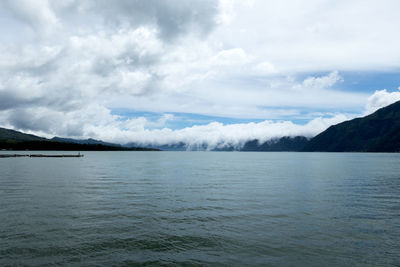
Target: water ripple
(173, 209)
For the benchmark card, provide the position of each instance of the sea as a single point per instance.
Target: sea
(201, 209)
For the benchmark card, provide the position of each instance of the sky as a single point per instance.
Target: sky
(201, 72)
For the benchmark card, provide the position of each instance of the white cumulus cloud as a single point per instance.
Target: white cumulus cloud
(65, 66)
(380, 99)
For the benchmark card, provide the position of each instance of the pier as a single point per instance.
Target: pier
(39, 156)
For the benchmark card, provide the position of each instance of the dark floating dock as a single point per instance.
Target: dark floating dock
(39, 156)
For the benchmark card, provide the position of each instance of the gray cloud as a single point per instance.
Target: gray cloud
(71, 66)
(65, 65)
(173, 18)
(8, 100)
(22, 119)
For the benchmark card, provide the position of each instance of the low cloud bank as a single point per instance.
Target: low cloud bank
(218, 135)
(96, 121)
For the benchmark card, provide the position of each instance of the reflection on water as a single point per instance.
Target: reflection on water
(201, 208)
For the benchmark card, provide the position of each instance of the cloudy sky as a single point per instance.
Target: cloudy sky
(194, 71)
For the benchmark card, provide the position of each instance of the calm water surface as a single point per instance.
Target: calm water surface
(201, 208)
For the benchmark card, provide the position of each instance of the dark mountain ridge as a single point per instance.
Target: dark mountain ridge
(167, 147)
(286, 143)
(378, 132)
(89, 141)
(14, 140)
(15, 136)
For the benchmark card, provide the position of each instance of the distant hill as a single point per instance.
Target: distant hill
(14, 140)
(89, 141)
(278, 144)
(15, 136)
(378, 132)
(168, 147)
(286, 143)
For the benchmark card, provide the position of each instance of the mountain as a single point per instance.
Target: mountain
(14, 140)
(378, 132)
(286, 143)
(89, 141)
(7, 135)
(279, 144)
(167, 147)
(181, 146)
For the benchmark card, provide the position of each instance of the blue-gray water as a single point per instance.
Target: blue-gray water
(201, 208)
